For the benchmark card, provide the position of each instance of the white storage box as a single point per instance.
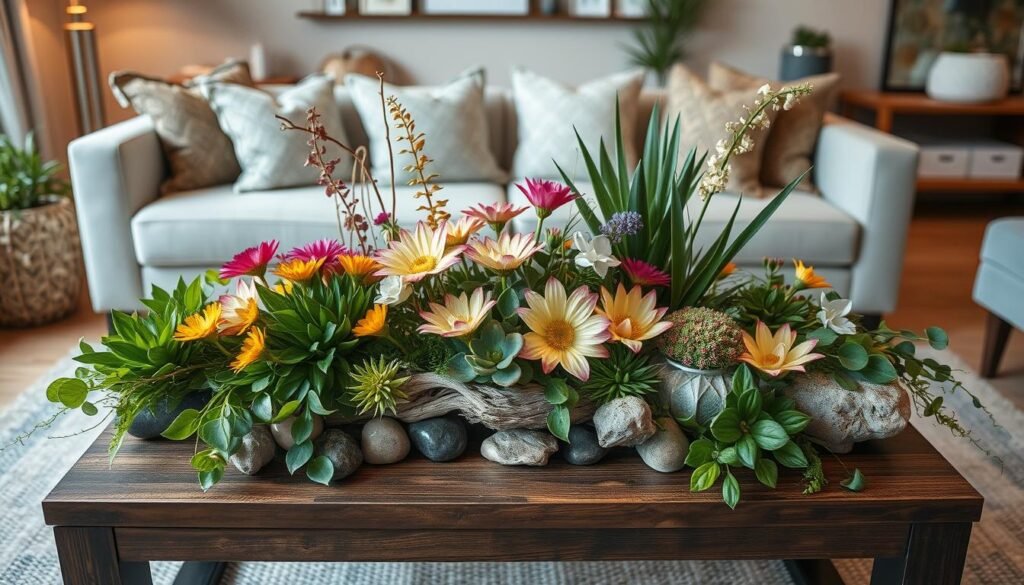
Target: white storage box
(507, 7)
(996, 160)
(944, 161)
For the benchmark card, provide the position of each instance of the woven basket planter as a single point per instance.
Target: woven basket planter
(40, 264)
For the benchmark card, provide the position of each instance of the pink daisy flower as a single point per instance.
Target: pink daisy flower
(496, 215)
(643, 274)
(326, 249)
(546, 196)
(251, 261)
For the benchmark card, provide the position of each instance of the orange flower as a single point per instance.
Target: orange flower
(299, 270)
(374, 324)
(200, 325)
(460, 231)
(632, 316)
(360, 267)
(807, 278)
(775, 354)
(252, 348)
(727, 270)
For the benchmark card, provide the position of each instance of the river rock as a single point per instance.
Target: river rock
(257, 450)
(624, 422)
(583, 448)
(666, 450)
(384, 441)
(342, 450)
(519, 447)
(439, 439)
(149, 423)
(841, 417)
(283, 431)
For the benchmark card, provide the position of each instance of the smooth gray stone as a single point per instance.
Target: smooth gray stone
(384, 441)
(583, 448)
(257, 450)
(666, 450)
(624, 422)
(149, 423)
(439, 439)
(342, 450)
(283, 431)
(519, 447)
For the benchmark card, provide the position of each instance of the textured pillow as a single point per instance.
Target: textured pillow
(703, 114)
(272, 158)
(791, 139)
(197, 150)
(548, 111)
(451, 117)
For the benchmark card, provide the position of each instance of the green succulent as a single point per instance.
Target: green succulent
(623, 374)
(491, 358)
(377, 386)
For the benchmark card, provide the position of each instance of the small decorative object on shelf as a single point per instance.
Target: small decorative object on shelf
(496, 7)
(335, 7)
(532, 336)
(590, 8)
(809, 53)
(631, 8)
(968, 77)
(385, 7)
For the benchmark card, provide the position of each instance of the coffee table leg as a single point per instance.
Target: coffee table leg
(935, 555)
(88, 556)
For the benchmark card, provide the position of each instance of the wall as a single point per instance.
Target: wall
(159, 36)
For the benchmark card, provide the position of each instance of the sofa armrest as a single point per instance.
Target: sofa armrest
(114, 172)
(871, 176)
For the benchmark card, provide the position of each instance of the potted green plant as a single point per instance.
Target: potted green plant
(809, 53)
(40, 265)
(659, 42)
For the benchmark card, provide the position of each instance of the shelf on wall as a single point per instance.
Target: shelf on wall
(420, 17)
(967, 185)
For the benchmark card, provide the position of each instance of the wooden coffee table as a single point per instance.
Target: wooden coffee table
(914, 519)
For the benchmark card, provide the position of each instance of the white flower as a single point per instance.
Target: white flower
(833, 315)
(393, 291)
(596, 254)
(764, 89)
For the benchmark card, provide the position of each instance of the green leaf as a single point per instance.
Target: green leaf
(458, 368)
(824, 335)
(726, 426)
(933, 407)
(767, 472)
(298, 455)
(749, 404)
(856, 482)
(937, 337)
(302, 427)
(791, 455)
(793, 421)
(852, 356)
(89, 409)
(729, 456)
(217, 434)
(704, 477)
(556, 391)
(731, 490)
(879, 370)
(320, 470)
(700, 452)
(263, 407)
(206, 460)
(748, 451)
(507, 376)
(769, 434)
(559, 422)
(742, 379)
(287, 409)
(316, 405)
(183, 426)
(845, 381)
(208, 479)
(508, 302)
(71, 392)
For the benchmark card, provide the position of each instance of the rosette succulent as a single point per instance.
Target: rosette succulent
(491, 358)
(702, 338)
(623, 374)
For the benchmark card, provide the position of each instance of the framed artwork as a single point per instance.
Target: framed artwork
(631, 8)
(505, 7)
(334, 7)
(386, 7)
(921, 29)
(591, 8)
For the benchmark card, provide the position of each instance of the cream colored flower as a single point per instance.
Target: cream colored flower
(240, 310)
(563, 331)
(393, 291)
(504, 254)
(418, 254)
(596, 253)
(459, 316)
(632, 316)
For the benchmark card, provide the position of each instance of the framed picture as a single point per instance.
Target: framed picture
(591, 8)
(505, 7)
(386, 7)
(334, 7)
(631, 8)
(921, 29)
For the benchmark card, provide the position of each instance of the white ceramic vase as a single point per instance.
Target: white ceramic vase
(968, 77)
(695, 394)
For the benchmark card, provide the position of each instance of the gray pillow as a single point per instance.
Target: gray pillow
(271, 158)
(452, 117)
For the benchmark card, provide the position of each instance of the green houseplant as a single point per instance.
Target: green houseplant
(40, 268)
(659, 42)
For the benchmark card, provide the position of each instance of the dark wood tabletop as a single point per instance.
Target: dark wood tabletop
(472, 509)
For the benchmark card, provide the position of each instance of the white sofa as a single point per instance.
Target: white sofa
(853, 232)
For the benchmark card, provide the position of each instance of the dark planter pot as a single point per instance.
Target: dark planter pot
(799, 61)
(149, 423)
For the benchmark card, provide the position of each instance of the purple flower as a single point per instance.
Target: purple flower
(382, 218)
(622, 224)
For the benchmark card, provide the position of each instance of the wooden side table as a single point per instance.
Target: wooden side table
(887, 105)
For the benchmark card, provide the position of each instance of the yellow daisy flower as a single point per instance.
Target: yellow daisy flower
(807, 278)
(563, 331)
(359, 267)
(200, 325)
(460, 231)
(633, 317)
(299, 270)
(374, 324)
(416, 255)
(252, 348)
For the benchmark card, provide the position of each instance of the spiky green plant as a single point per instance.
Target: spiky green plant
(25, 179)
(377, 386)
(659, 42)
(623, 374)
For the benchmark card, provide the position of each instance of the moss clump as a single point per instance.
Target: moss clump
(702, 338)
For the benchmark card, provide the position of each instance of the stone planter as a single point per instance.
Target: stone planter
(799, 61)
(968, 77)
(694, 394)
(40, 264)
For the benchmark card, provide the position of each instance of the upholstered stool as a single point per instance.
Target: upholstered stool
(999, 287)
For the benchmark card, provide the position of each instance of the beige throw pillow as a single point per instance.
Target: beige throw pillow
(703, 114)
(198, 152)
(789, 149)
(548, 112)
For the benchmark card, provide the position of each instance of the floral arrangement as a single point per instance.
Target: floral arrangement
(565, 322)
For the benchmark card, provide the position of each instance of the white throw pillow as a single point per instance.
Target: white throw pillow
(452, 118)
(548, 111)
(270, 157)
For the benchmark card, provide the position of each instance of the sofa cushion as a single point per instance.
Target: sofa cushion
(209, 226)
(1004, 242)
(805, 226)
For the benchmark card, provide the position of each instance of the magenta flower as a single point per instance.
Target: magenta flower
(251, 261)
(325, 249)
(643, 274)
(382, 218)
(546, 196)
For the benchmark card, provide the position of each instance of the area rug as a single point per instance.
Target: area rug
(28, 471)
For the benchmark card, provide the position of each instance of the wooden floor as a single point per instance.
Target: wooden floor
(941, 259)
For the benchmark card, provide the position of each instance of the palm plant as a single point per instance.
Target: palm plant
(25, 179)
(659, 43)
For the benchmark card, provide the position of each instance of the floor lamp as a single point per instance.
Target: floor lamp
(85, 69)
